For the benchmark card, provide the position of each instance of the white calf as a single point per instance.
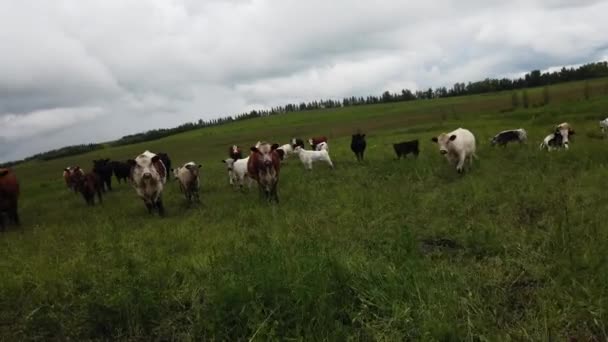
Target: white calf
(287, 150)
(189, 181)
(308, 157)
(457, 146)
(604, 125)
(237, 172)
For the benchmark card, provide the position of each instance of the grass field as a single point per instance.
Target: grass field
(383, 250)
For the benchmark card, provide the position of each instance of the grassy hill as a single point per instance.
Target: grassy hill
(384, 250)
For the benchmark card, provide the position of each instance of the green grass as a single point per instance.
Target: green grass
(350, 254)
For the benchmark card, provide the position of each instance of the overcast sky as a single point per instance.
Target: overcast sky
(74, 71)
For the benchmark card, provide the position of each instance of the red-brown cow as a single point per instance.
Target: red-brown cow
(264, 166)
(88, 185)
(235, 152)
(314, 141)
(72, 176)
(9, 195)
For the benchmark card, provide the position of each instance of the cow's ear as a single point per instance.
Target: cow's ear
(199, 166)
(363, 135)
(155, 158)
(571, 132)
(223, 161)
(131, 162)
(452, 137)
(434, 139)
(254, 149)
(274, 147)
(3, 173)
(66, 170)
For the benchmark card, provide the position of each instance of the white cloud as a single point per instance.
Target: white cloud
(114, 67)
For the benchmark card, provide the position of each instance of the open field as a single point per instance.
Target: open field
(383, 250)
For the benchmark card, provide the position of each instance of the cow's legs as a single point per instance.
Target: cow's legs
(160, 207)
(461, 160)
(330, 163)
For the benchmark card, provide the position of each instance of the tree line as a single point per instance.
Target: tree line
(535, 78)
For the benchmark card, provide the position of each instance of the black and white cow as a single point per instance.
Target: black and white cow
(514, 135)
(559, 138)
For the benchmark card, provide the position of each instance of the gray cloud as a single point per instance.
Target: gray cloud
(77, 72)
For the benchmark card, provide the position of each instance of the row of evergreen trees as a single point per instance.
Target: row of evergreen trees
(534, 78)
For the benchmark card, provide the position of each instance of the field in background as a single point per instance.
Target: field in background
(385, 250)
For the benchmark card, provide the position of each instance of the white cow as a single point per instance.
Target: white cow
(149, 176)
(237, 172)
(604, 125)
(457, 146)
(189, 180)
(308, 157)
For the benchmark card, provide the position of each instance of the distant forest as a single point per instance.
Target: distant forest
(535, 78)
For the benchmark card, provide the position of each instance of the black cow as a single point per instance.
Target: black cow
(166, 161)
(103, 169)
(122, 171)
(406, 147)
(505, 137)
(357, 145)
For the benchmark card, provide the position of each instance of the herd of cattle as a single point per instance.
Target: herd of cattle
(148, 172)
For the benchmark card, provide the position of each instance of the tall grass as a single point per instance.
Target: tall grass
(382, 250)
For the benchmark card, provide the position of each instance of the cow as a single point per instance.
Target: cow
(457, 146)
(71, 176)
(237, 172)
(503, 138)
(9, 196)
(122, 170)
(559, 138)
(148, 175)
(103, 169)
(89, 185)
(189, 180)
(235, 152)
(166, 161)
(404, 148)
(357, 145)
(308, 157)
(314, 141)
(604, 125)
(264, 165)
(295, 142)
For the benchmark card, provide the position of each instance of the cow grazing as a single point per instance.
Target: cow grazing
(264, 166)
(604, 125)
(457, 146)
(402, 149)
(314, 141)
(515, 135)
(9, 196)
(559, 138)
(166, 161)
(308, 157)
(295, 142)
(148, 174)
(237, 172)
(357, 145)
(89, 185)
(121, 170)
(189, 180)
(103, 169)
(235, 152)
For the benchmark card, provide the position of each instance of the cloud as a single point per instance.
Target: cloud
(79, 72)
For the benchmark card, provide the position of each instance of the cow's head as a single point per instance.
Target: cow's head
(565, 130)
(310, 141)
(444, 141)
(193, 168)
(358, 137)
(234, 149)
(263, 153)
(229, 163)
(143, 168)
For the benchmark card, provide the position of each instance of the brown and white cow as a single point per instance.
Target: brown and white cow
(9, 196)
(235, 153)
(314, 141)
(189, 180)
(149, 176)
(264, 166)
(72, 175)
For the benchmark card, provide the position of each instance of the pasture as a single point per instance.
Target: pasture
(382, 250)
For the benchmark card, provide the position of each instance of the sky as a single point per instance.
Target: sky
(74, 71)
